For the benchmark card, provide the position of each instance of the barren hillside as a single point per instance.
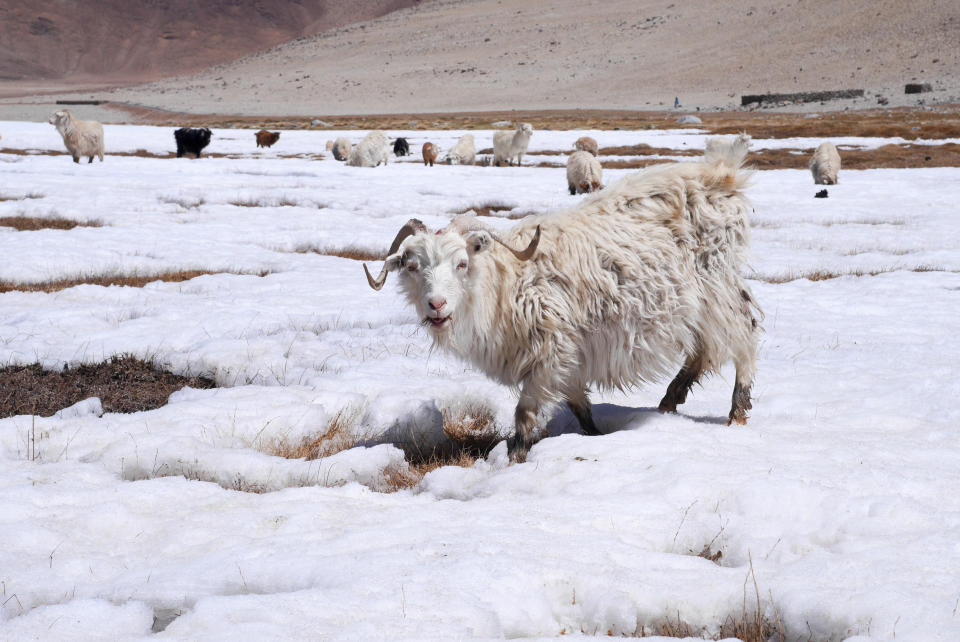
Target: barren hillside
(501, 55)
(446, 55)
(145, 39)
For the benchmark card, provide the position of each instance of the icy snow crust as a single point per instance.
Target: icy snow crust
(843, 489)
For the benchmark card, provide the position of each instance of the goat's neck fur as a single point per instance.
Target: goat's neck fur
(480, 334)
(68, 128)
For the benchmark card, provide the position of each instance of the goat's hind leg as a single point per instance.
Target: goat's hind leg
(746, 362)
(677, 390)
(579, 405)
(741, 404)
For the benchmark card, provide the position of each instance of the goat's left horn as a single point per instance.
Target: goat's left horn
(524, 254)
(376, 283)
(409, 228)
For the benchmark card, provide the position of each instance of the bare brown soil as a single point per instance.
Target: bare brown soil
(133, 281)
(123, 384)
(33, 223)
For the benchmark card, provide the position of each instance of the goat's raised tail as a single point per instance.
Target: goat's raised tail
(727, 151)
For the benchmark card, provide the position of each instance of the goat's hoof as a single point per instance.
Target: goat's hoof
(738, 417)
(666, 407)
(517, 451)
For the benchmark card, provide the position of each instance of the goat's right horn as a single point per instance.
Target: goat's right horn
(410, 228)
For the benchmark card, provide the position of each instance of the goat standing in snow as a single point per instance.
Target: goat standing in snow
(509, 145)
(611, 293)
(81, 137)
(825, 164)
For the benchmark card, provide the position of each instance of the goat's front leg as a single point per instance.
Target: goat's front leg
(527, 431)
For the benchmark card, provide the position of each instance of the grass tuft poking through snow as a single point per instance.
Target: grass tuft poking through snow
(106, 280)
(470, 432)
(340, 435)
(826, 275)
(347, 252)
(34, 223)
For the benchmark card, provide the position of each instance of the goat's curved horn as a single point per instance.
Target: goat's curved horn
(376, 283)
(526, 253)
(470, 223)
(410, 228)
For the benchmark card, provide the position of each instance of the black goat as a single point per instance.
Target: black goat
(191, 140)
(401, 147)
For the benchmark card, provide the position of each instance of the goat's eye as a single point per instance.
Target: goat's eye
(462, 265)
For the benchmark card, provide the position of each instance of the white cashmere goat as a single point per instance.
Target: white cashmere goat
(584, 173)
(341, 148)
(372, 150)
(463, 153)
(81, 137)
(509, 145)
(825, 164)
(617, 291)
(587, 144)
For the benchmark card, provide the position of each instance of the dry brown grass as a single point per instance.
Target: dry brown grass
(338, 436)
(123, 384)
(490, 209)
(31, 195)
(348, 252)
(34, 223)
(907, 122)
(887, 156)
(126, 280)
(826, 275)
(470, 433)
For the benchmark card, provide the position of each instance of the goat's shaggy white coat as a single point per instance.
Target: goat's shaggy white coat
(371, 151)
(463, 153)
(587, 144)
(341, 148)
(636, 279)
(81, 137)
(508, 145)
(584, 173)
(825, 164)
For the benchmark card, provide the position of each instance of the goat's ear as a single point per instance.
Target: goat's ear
(393, 262)
(477, 241)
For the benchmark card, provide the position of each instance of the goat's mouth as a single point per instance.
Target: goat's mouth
(438, 323)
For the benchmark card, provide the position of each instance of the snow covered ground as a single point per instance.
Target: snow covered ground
(843, 490)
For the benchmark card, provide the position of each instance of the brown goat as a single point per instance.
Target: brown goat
(430, 152)
(266, 139)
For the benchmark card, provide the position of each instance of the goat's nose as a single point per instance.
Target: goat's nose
(437, 304)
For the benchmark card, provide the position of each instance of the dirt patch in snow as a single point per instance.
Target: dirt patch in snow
(123, 384)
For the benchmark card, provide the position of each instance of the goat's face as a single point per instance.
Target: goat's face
(435, 275)
(440, 272)
(59, 117)
(526, 128)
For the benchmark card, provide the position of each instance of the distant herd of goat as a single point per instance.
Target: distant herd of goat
(613, 292)
(584, 173)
